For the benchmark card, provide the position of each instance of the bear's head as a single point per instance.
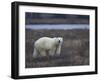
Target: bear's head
(58, 40)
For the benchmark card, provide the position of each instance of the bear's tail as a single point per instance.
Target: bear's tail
(35, 52)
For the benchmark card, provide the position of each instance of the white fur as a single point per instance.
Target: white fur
(47, 45)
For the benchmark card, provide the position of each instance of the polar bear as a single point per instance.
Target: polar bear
(46, 45)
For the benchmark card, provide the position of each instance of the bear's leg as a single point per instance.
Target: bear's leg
(52, 52)
(43, 53)
(35, 52)
(58, 50)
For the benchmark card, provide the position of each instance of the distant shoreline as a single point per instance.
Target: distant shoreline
(57, 21)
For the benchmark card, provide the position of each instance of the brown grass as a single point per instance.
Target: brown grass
(75, 48)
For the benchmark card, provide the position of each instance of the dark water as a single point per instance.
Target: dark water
(58, 26)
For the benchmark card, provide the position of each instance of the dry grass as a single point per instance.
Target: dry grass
(75, 48)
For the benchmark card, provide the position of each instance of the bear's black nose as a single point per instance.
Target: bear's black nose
(59, 41)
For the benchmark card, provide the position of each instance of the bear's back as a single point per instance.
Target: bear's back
(43, 41)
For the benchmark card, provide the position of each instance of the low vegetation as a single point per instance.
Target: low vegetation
(75, 48)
